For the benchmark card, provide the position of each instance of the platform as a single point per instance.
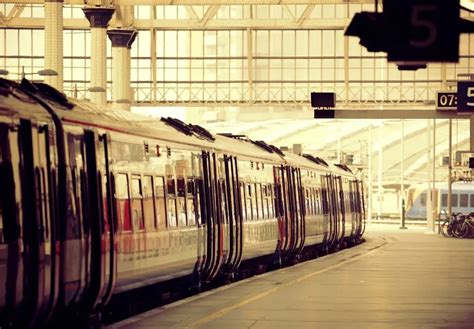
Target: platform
(397, 279)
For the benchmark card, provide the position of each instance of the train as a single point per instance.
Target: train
(96, 202)
(462, 199)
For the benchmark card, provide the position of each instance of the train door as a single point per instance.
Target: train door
(361, 206)
(46, 177)
(280, 209)
(323, 195)
(287, 211)
(11, 248)
(329, 185)
(37, 222)
(296, 199)
(75, 223)
(353, 215)
(341, 207)
(211, 217)
(101, 220)
(233, 210)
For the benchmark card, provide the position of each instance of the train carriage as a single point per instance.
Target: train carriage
(462, 199)
(97, 202)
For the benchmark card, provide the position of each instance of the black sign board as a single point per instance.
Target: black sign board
(446, 100)
(323, 100)
(422, 30)
(465, 96)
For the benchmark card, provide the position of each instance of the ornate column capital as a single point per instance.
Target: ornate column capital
(123, 38)
(98, 16)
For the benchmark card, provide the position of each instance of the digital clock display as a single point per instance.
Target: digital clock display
(446, 100)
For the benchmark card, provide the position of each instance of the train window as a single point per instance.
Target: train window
(317, 201)
(190, 202)
(191, 208)
(39, 203)
(270, 203)
(423, 199)
(264, 200)
(444, 200)
(267, 194)
(137, 204)
(190, 187)
(255, 208)
(181, 207)
(313, 200)
(308, 204)
(249, 202)
(148, 204)
(78, 187)
(243, 200)
(224, 207)
(464, 200)
(160, 206)
(172, 220)
(258, 200)
(171, 187)
(105, 207)
(123, 203)
(181, 186)
(471, 203)
(454, 200)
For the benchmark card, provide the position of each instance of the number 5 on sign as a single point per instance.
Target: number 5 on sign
(419, 21)
(470, 94)
(465, 96)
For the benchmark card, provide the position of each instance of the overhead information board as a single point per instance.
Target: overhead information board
(422, 30)
(465, 96)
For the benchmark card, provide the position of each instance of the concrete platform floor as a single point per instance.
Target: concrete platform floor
(397, 279)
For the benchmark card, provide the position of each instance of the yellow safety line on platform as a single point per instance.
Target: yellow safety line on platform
(265, 293)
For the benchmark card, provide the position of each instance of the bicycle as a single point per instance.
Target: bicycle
(451, 227)
(466, 227)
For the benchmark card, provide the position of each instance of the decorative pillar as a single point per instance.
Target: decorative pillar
(122, 40)
(98, 18)
(53, 38)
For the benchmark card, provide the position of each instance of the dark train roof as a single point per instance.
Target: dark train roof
(23, 100)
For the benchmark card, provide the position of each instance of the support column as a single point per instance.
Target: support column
(380, 172)
(98, 18)
(429, 195)
(369, 178)
(250, 65)
(402, 176)
(53, 38)
(122, 40)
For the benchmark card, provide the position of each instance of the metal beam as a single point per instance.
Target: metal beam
(201, 2)
(190, 24)
(38, 23)
(307, 11)
(191, 12)
(388, 114)
(210, 13)
(16, 11)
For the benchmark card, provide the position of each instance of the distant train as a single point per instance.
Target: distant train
(95, 202)
(462, 199)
